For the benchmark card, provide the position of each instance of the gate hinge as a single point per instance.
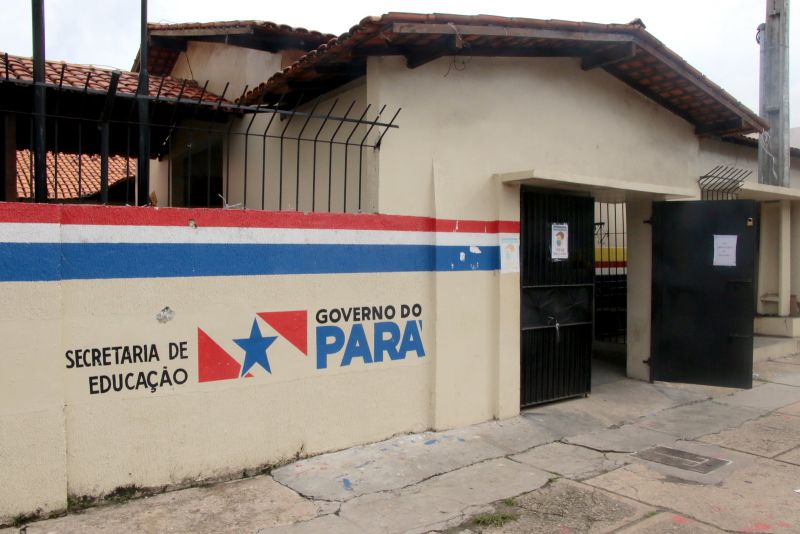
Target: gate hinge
(647, 361)
(648, 221)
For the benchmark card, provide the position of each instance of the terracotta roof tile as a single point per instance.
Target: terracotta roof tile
(68, 184)
(161, 60)
(18, 68)
(263, 25)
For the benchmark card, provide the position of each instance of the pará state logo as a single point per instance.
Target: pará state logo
(215, 363)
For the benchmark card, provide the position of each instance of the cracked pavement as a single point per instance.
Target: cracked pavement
(563, 467)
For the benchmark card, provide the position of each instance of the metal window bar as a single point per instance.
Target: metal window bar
(723, 182)
(264, 160)
(280, 165)
(55, 134)
(208, 142)
(297, 173)
(80, 136)
(314, 157)
(346, 151)
(228, 148)
(330, 152)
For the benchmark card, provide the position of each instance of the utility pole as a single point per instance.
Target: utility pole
(773, 38)
(773, 145)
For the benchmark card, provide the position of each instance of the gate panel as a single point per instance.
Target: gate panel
(556, 296)
(704, 272)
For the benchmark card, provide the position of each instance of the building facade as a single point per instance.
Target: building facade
(369, 285)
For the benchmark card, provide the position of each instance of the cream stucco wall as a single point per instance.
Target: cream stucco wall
(715, 152)
(503, 115)
(217, 429)
(500, 115)
(60, 438)
(32, 427)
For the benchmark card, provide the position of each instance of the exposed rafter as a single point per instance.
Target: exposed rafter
(619, 53)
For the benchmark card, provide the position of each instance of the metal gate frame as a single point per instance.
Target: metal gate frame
(556, 311)
(702, 311)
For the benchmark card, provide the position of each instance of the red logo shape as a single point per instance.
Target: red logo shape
(213, 362)
(292, 325)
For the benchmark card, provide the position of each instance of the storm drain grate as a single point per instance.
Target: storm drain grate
(682, 459)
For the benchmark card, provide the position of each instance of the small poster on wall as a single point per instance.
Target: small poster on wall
(509, 255)
(559, 244)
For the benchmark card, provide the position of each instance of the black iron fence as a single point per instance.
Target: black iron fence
(320, 156)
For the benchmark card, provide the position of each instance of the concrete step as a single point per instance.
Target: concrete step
(771, 347)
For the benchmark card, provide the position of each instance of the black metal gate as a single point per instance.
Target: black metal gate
(704, 272)
(557, 248)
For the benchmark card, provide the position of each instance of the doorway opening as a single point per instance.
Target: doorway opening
(610, 292)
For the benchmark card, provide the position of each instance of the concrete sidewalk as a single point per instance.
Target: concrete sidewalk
(729, 460)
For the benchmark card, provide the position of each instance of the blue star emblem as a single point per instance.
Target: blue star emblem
(255, 349)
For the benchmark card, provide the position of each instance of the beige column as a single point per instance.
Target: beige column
(784, 258)
(640, 270)
(507, 369)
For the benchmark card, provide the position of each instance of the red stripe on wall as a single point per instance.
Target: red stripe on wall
(133, 216)
(17, 212)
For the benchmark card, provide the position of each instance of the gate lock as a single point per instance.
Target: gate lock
(558, 333)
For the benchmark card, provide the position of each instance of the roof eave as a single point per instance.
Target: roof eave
(634, 32)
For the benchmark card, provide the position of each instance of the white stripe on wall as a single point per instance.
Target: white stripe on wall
(52, 233)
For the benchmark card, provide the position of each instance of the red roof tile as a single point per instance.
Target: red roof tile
(218, 26)
(249, 33)
(68, 184)
(17, 68)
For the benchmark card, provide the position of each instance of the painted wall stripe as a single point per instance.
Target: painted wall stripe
(30, 232)
(173, 234)
(76, 261)
(132, 216)
(53, 242)
(30, 213)
(52, 233)
(29, 262)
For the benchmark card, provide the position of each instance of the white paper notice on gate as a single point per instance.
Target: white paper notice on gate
(559, 242)
(725, 250)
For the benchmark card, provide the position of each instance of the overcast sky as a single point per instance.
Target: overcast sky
(715, 36)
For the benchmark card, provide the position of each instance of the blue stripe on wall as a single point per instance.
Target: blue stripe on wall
(31, 262)
(25, 262)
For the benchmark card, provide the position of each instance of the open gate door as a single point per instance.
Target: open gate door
(704, 272)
